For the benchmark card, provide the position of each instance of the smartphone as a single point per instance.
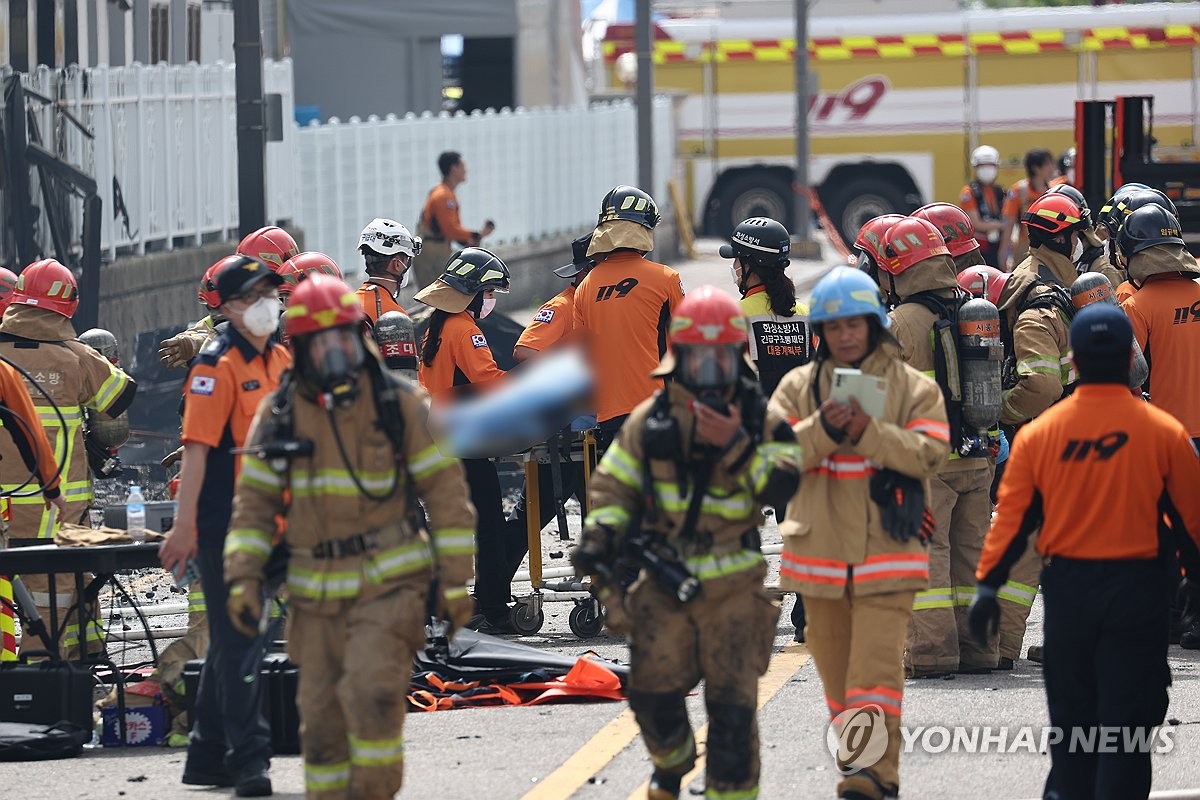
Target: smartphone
(191, 574)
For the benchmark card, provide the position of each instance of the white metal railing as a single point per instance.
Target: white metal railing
(168, 135)
(538, 173)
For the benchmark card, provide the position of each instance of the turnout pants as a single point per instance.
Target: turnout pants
(857, 643)
(355, 658)
(938, 637)
(723, 636)
(1106, 666)
(229, 723)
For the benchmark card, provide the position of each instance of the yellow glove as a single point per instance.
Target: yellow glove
(456, 606)
(171, 459)
(245, 606)
(176, 352)
(616, 618)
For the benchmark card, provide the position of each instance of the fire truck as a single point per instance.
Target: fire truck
(898, 102)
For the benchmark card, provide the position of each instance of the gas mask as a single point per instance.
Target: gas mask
(262, 317)
(333, 360)
(986, 173)
(709, 370)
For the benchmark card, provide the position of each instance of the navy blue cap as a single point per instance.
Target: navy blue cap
(240, 275)
(1101, 330)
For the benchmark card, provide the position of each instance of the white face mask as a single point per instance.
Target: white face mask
(405, 279)
(1077, 250)
(488, 304)
(987, 173)
(262, 318)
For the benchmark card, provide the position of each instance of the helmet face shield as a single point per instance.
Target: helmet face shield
(866, 264)
(708, 366)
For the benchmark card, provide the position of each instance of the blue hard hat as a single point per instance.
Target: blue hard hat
(1101, 331)
(846, 292)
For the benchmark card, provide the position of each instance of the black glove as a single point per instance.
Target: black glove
(902, 501)
(591, 558)
(984, 615)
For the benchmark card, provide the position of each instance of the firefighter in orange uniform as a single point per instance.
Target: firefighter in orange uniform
(359, 570)
(624, 306)
(855, 535)
(440, 228)
(1104, 581)
(388, 250)
(456, 359)
(230, 741)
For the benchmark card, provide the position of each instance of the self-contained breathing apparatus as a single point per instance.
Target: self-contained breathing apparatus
(1053, 297)
(967, 358)
(102, 437)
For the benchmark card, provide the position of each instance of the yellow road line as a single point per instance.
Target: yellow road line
(783, 667)
(587, 760)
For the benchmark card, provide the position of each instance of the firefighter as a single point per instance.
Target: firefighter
(456, 359)
(1105, 600)
(36, 334)
(440, 228)
(1093, 257)
(1150, 247)
(388, 250)
(624, 305)
(1113, 214)
(271, 246)
(178, 351)
(955, 226)
(983, 202)
(19, 417)
(779, 335)
(553, 327)
(857, 565)
(1036, 313)
(230, 741)
(359, 570)
(304, 265)
(1039, 169)
(920, 274)
(780, 339)
(869, 243)
(677, 494)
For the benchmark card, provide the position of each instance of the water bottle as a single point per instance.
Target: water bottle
(135, 514)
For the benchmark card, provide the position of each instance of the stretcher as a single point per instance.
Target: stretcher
(587, 617)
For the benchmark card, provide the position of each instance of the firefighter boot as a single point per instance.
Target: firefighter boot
(798, 619)
(663, 786)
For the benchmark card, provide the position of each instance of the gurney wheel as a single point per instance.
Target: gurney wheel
(586, 618)
(526, 620)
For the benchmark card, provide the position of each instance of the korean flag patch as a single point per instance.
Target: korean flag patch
(478, 340)
(545, 315)
(202, 384)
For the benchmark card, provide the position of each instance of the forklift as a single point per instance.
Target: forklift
(1106, 159)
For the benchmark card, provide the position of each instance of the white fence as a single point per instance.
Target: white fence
(168, 135)
(539, 173)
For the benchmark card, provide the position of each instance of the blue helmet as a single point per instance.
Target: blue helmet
(846, 292)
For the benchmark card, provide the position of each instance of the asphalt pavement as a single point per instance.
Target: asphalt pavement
(591, 750)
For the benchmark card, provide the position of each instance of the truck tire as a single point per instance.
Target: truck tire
(851, 205)
(752, 194)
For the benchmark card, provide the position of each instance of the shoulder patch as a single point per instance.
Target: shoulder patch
(212, 351)
(479, 340)
(544, 315)
(202, 385)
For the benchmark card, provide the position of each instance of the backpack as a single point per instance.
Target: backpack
(28, 741)
(947, 368)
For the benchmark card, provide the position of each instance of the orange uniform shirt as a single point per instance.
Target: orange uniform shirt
(1125, 291)
(1091, 470)
(993, 201)
(463, 357)
(553, 323)
(622, 310)
(376, 300)
(227, 382)
(440, 215)
(21, 420)
(1165, 314)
